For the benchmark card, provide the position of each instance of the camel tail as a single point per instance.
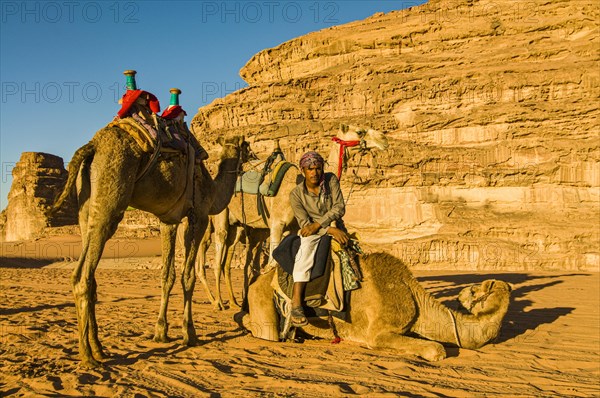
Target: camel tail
(83, 153)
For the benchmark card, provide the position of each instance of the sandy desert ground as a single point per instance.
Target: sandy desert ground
(549, 345)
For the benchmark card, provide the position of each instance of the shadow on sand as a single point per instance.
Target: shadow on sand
(22, 262)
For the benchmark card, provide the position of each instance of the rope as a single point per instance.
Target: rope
(455, 328)
(336, 337)
(362, 154)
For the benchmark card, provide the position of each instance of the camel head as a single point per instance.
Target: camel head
(369, 138)
(236, 147)
(489, 297)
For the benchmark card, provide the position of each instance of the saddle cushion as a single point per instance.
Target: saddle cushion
(251, 182)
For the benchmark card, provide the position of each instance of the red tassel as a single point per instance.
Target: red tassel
(343, 144)
(337, 340)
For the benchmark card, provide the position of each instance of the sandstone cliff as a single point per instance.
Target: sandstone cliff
(491, 110)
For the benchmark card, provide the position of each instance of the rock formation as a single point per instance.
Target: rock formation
(37, 177)
(491, 109)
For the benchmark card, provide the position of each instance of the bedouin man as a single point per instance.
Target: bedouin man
(319, 206)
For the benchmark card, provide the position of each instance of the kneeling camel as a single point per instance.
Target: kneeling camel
(391, 308)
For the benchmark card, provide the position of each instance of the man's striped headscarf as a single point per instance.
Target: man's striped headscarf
(311, 158)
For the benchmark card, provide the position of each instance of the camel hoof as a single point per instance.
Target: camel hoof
(190, 338)
(160, 338)
(191, 341)
(89, 363)
(100, 355)
(434, 355)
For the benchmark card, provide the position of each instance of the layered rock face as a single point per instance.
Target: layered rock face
(491, 111)
(37, 178)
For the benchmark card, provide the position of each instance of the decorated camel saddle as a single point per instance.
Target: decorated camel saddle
(153, 133)
(265, 181)
(335, 274)
(167, 134)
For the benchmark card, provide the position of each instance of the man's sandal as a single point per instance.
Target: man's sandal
(298, 318)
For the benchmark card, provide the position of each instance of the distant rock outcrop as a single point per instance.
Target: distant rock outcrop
(37, 177)
(491, 110)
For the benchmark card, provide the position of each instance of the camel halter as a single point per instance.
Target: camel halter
(479, 300)
(343, 145)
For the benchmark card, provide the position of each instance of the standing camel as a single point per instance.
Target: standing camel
(107, 173)
(242, 213)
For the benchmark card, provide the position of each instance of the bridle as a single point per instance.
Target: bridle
(362, 143)
(479, 300)
(347, 144)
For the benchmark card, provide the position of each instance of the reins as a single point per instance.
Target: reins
(455, 328)
(349, 144)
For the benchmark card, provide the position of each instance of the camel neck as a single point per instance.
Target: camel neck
(453, 327)
(224, 184)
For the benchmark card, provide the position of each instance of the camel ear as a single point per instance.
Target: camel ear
(220, 140)
(488, 285)
(344, 128)
(492, 284)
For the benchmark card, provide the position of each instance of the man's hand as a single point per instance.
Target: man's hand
(310, 229)
(338, 235)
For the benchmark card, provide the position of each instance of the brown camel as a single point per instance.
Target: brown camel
(390, 305)
(107, 170)
(242, 214)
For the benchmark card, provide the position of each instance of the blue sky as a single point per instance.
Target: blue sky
(61, 62)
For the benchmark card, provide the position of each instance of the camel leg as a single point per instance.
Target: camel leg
(83, 200)
(83, 196)
(426, 349)
(233, 236)
(201, 263)
(227, 265)
(168, 235)
(100, 227)
(222, 247)
(198, 224)
(276, 229)
(252, 260)
(262, 319)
